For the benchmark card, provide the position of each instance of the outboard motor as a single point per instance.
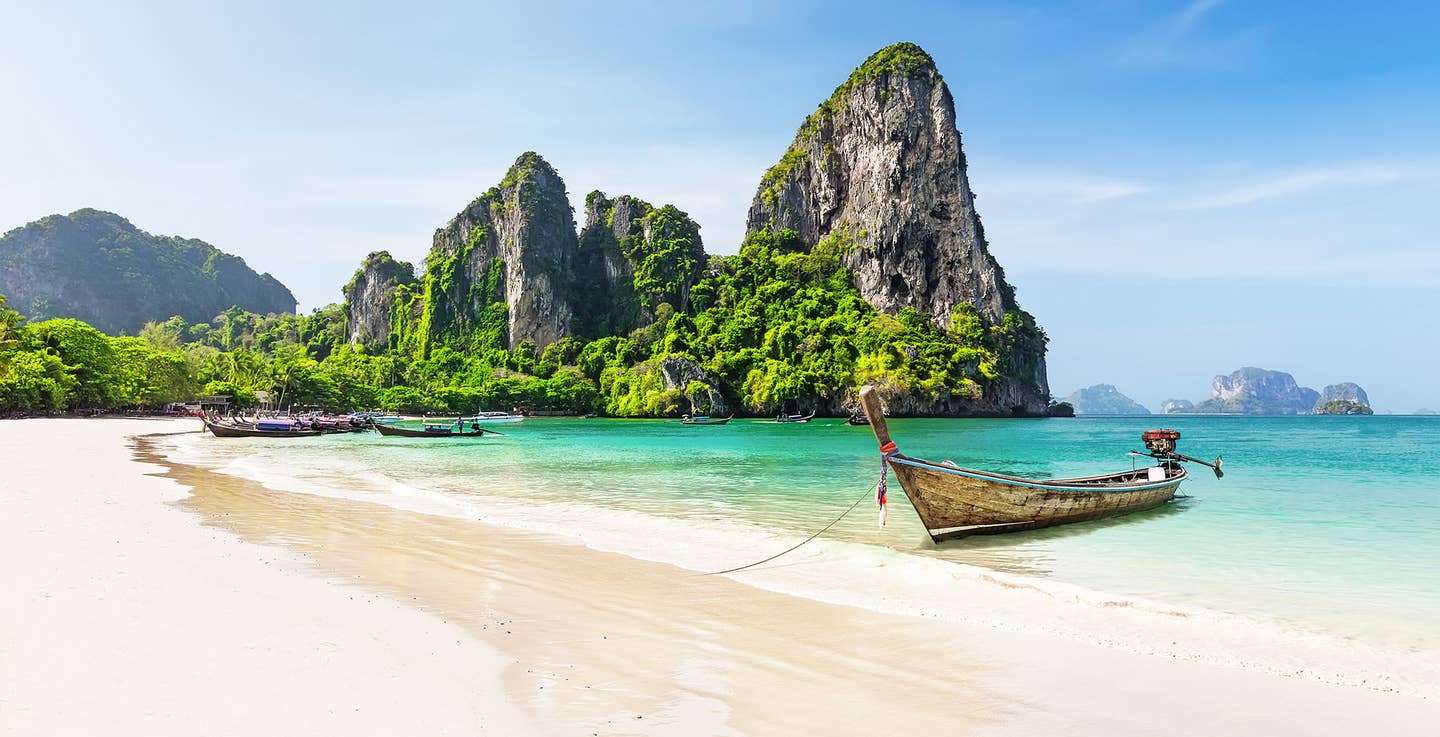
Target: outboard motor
(1161, 444)
(1160, 441)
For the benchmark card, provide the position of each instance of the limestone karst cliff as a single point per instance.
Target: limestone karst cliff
(878, 173)
(632, 258)
(498, 272)
(371, 299)
(880, 168)
(1258, 391)
(864, 262)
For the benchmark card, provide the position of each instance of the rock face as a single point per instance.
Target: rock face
(632, 258)
(98, 267)
(498, 273)
(371, 296)
(879, 167)
(1346, 392)
(1177, 407)
(877, 174)
(1104, 399)
(679, 373)
(1258, 391)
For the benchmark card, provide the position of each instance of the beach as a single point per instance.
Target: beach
(150, 596)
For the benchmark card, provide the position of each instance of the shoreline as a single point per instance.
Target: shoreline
(871, 576)
(578, 641)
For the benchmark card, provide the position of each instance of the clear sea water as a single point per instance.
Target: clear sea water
(1325, 524)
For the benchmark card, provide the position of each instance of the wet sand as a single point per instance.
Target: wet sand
(232, 609)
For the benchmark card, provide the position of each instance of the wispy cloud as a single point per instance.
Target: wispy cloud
(1303, 181)
(1068, 187)
(1179, 40)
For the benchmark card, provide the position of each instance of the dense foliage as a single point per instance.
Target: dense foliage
(773, 325)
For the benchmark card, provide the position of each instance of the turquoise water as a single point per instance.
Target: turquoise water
(1325, 523)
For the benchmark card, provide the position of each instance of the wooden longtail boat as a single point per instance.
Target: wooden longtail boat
(432, 431)
(703, 420)
(958, 502)
(795, 418)
(226, 430)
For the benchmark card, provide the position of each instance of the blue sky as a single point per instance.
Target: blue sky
(1176, 189)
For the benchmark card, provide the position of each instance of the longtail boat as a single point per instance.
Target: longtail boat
(434, 431)
(957, 502)
(227, 430)
(858, 419)
(795, 418)
(704, 420)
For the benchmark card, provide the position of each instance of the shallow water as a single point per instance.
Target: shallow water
(1324, 524)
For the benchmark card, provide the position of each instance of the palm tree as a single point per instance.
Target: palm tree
(10, 322)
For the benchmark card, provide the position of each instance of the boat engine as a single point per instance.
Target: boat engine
(1160, 441)
(1161, 445)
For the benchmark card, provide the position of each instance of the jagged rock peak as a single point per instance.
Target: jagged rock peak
(620, 216)
(878, 167)
(370, 296)
(498, 273)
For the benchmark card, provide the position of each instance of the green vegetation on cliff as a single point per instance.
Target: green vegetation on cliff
(97, 267)
(629, 317)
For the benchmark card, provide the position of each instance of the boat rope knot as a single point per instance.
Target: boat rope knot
(887, 451)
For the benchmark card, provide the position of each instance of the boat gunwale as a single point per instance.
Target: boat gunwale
(1072, 485)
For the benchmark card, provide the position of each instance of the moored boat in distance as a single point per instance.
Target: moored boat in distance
(436, 430)
(261, 429)
(795, 418)
(704, 420)
(496, 418)
(957, 502)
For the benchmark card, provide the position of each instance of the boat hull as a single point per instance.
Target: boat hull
(698, 423)
(957, 502)
(220, 430)
(405, 432)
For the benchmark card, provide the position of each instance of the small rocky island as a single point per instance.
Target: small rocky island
(1343, 399)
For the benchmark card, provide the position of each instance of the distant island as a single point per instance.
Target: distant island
(1177, 406)
(1256, 391)
(1104, 399)
(97, 267)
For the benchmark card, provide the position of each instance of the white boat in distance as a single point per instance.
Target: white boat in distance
(495, 418)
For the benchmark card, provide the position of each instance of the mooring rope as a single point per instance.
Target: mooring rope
(802, 542)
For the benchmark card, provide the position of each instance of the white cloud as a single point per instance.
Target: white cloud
(1178, 40)
(1303, 181)
(1071, 187)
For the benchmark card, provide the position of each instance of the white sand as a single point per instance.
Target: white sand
(121, 615)
(125, 614)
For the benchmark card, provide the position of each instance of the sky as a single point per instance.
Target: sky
(1176, 189)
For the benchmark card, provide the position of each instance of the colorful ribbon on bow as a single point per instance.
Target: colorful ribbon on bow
(887, 451)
